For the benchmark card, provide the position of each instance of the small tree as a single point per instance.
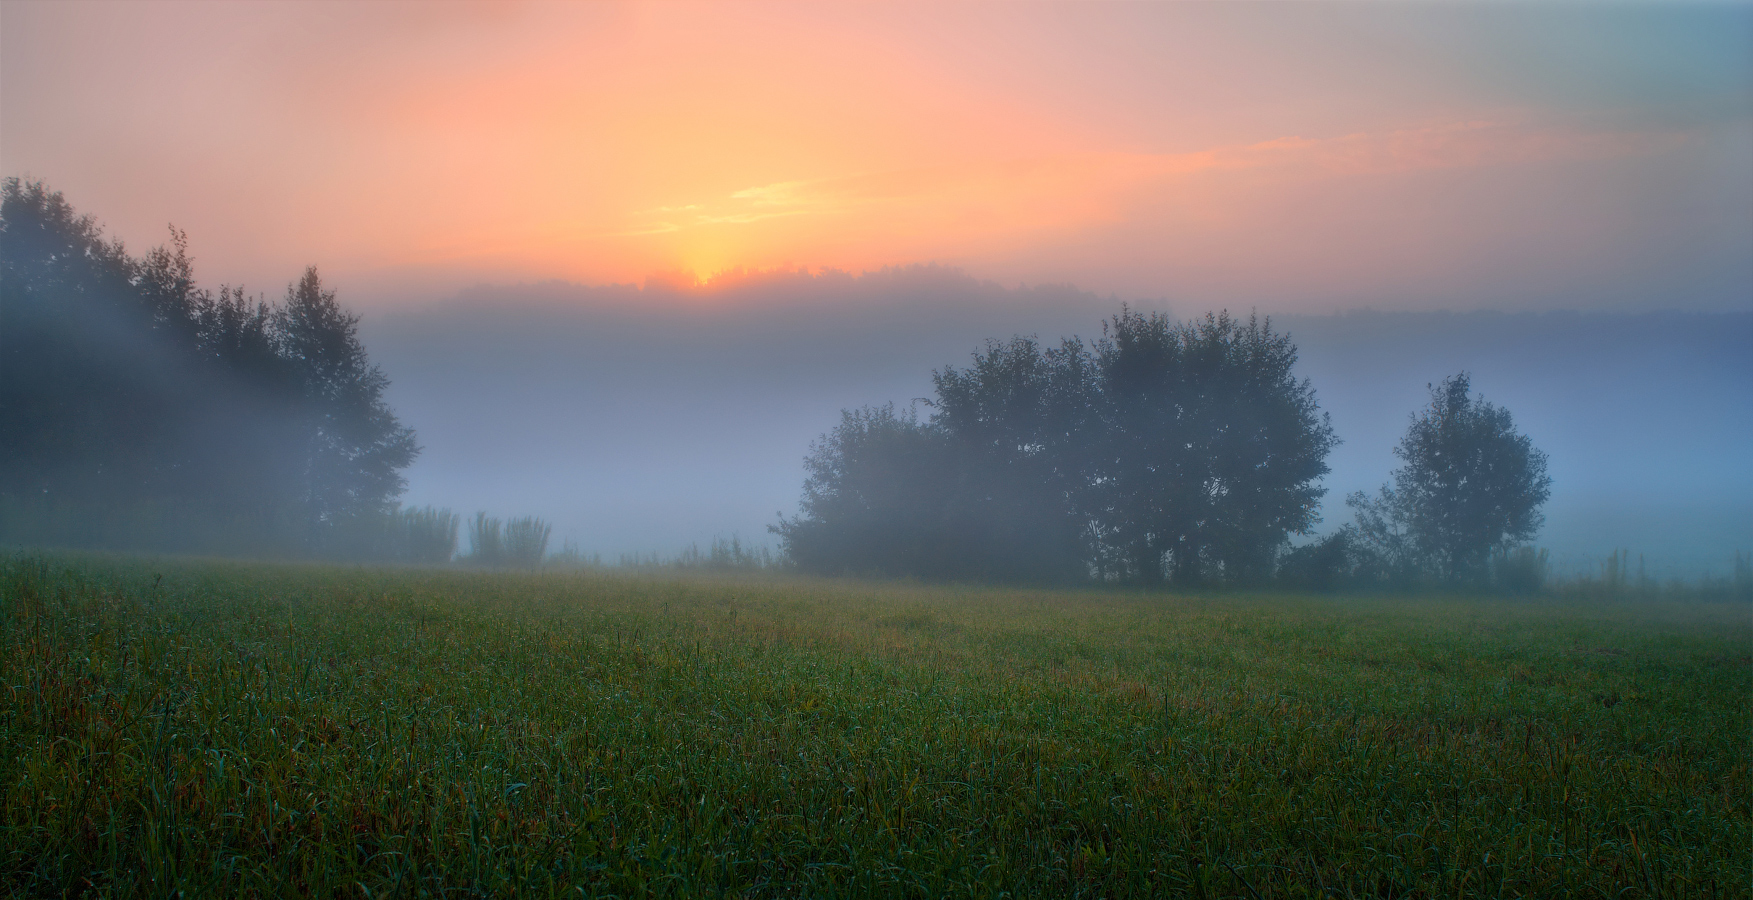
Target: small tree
(427, 535)
(486, 541)
(526, 541)
(1470, 487)
(1321, 565)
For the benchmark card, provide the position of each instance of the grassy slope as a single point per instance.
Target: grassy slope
(271, 729)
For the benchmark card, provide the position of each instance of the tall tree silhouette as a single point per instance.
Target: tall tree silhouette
(137, 409)
(90, 419)
(354, 448)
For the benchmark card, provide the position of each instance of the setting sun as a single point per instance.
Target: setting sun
(1155, 150)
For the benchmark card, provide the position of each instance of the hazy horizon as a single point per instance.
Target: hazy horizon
(622, 262)
(641, 427)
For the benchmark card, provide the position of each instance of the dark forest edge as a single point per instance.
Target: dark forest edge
(146, 413)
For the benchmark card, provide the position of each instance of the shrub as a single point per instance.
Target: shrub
(427, 535)
(1323, 565)
(486, 541)
(526, 541)
(1519, 570)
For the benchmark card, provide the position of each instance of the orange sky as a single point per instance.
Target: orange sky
(1296, 157)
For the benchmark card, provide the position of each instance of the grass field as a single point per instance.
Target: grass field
(231, 729)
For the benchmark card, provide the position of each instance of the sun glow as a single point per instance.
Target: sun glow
(603, 143)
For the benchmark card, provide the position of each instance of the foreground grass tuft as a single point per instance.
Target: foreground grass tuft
(232, 729)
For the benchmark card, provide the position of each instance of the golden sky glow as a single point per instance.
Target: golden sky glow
(1291, 156)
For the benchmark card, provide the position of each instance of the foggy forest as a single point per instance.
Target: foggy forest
(226, 423)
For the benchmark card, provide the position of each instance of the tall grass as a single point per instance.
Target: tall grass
(221, 729)
(1623, 576)
(724, 555)
(423, 535)
(571, 556)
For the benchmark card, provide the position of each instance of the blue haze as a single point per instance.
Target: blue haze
(643, 421)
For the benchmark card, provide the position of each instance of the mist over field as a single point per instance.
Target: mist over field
(643, 420)
(866, 450)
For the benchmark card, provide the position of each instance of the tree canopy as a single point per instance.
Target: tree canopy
(1162, 451)
(1470, 486)
(140, 410)
(1209, 449)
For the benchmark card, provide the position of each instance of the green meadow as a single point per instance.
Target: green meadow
(205, 728)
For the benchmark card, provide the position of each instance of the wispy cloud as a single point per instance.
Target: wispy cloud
(1091, 181)
(653, 228)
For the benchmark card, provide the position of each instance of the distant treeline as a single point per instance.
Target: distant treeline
(1187, 453)
(138, 410)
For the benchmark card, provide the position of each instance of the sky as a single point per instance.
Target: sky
(1300, 157)
(621, 262)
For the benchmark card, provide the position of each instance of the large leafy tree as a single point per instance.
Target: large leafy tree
(1185, 451)
(137, 409)
(1469, 485)
(982, 491)
(1209, 451)
(1017, 422)
(95, 347)
(876, 499)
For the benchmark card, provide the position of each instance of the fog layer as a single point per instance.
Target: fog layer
(640, 421)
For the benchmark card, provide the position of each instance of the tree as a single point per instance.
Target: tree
(139, 410)
(1209, 448)
(1470, 486)
(1321, 565)
(876, 497)
(1189, 449)
(1017, 422)
(354, 448)
(71, 360)
(983, 491)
